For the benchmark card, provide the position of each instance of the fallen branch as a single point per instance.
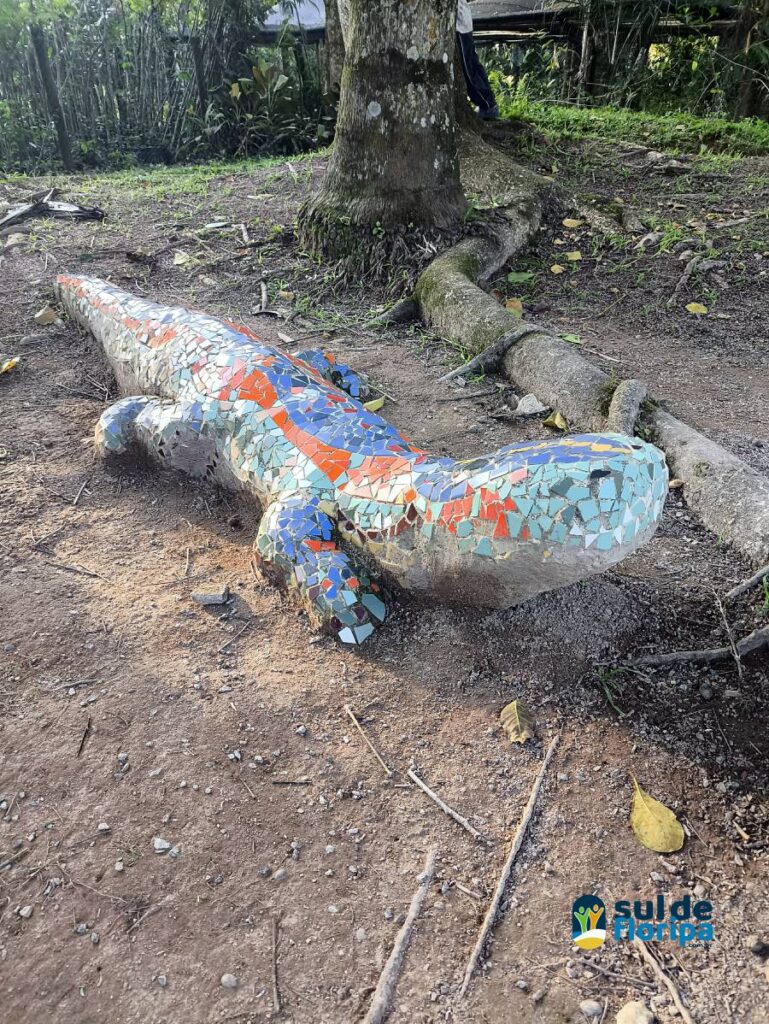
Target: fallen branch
(491, 358)
(670, 985)
(740, 589)
(379, 1009)
(446, 809)
(520, 834)
(366, 740)
(683, 280)
(755, 641)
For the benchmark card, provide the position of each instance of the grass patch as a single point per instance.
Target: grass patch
(672, 132)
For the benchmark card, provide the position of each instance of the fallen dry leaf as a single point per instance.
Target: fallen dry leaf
(697, 308)
(556, 269)
(675, 484)
(286, 296)
(375, 404)
(556, 420)
(654, 824)
(517, 721)
(515, 306)
(574, 257)
(571, 222)
(6, 365)
(45, 316)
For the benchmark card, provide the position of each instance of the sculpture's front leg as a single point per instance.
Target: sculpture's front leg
(171, 433)
(296, 545)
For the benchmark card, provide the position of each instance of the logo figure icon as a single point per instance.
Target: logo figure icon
(588, 922)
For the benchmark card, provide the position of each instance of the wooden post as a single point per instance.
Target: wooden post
(52, 96)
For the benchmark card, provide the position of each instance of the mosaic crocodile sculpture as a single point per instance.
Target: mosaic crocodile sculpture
(343, 492)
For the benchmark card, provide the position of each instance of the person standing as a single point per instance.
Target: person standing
(478, 88)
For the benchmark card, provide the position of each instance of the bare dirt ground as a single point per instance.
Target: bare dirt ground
(223, 731)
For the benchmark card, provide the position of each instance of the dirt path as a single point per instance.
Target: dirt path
(234, 746)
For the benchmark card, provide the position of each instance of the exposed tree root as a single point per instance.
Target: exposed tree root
(731, 498)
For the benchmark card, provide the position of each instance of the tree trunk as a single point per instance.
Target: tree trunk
(200, 74)
(393, 177)
(334, 48)
(52, 96)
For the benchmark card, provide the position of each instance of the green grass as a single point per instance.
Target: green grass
(671, 132)
(159, 182)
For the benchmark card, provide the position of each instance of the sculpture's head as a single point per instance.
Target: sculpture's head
(531, 517)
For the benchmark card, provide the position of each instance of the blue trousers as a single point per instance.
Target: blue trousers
(478, 88)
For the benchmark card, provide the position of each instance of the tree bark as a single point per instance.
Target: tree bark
(52, 96)
(393, 177)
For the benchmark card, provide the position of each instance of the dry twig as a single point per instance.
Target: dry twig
(446, 809)
(367, 741)
(753, 642)
(380, 1003)
(740, 589)
(499, 892)
(275, 990)
(669, 984)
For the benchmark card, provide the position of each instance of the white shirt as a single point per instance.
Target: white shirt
(464, 17)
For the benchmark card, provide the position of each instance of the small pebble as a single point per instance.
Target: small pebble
(301, 730)
(635, 1013)
(700, 891)
(265, 871)
(103, 827)
(657, 877)
(522, 984)
(26, 912)
(360, 935)
(95, 938)
(228, 981)
(333, 909)
(280, 875)
(389, 914)
(538, 996)
(757, 946)
(161, 845)
(119, 865)
(591, 1008)
(162, 980)
(80, 929)
(208, 790)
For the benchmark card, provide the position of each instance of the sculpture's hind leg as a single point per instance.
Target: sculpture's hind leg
(340, 374)
(171, 433)
(296, 544)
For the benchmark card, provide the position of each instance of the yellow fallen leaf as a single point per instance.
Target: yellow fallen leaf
(570, 222)
(697, 308)
(517, 721)
(515, 306)
(45, 316)
(375, 404)
(574, 257)
(556, 420)
(654, 824)
(8, 364)
(286, 296)
(556, 269)
(675, 484)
